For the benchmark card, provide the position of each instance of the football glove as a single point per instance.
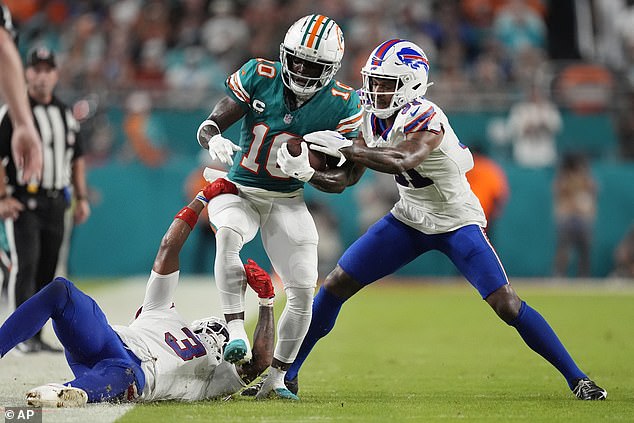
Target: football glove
(296, 167)
(259, 280)
(328, 142)
(222, 149)
(215, 188)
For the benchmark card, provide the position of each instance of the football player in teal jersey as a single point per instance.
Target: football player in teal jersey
(278, 101)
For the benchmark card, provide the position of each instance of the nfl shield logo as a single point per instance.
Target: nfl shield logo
(288, 118)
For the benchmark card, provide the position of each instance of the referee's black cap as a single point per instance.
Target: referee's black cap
(39, 55)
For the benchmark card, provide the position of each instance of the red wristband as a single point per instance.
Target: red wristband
(189, 216)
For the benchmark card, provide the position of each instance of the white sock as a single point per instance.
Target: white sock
(236, 330)
(276, 377)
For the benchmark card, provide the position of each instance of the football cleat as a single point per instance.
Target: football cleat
(292, 385)
(587, 390)
(237, 351)
(269, 391)
(251, 391)
(56, 395)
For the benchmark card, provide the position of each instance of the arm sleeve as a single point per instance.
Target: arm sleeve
(159, 291)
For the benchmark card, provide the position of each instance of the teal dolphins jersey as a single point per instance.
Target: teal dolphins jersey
(268, 122)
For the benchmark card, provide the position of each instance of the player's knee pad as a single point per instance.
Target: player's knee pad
(299, 268)
(304, 276)
(228, 241)
(299, 301)
(228, 246)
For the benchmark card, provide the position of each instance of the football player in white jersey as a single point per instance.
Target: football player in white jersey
(406, 135)
(159, 356)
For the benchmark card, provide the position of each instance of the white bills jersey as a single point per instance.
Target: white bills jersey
(435, 196)
(176, 364)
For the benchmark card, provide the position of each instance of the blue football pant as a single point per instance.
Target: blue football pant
(390, 244)
(102, 366)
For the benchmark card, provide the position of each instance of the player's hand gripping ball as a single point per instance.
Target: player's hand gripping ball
(317, 159)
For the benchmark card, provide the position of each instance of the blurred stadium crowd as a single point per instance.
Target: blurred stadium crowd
(483, 52)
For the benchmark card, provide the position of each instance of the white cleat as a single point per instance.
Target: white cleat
(275, 390)
(56, 395)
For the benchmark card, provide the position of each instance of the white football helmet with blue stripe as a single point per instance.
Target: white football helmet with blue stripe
(317, 39)
(401, 61)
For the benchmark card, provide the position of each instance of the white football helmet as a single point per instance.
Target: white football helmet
(401, 61)
(317, 39)
(213, 332)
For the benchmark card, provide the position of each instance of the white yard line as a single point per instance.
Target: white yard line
(195, 298)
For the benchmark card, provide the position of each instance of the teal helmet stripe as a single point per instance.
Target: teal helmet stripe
(321, 33)
(308, 27)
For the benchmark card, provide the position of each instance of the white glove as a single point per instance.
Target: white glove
(222, 149)
(328, 142)
(295, 167)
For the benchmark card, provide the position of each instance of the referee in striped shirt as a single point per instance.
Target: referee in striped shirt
(33, 213)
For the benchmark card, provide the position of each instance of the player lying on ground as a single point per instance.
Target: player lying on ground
(159, 356)
(406, 135)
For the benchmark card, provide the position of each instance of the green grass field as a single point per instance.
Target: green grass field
(424, 353)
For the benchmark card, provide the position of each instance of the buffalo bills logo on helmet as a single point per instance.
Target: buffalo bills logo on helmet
(412, 58)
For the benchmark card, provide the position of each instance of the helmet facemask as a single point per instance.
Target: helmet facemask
(317, 75)
(376, 100)
(212, 332)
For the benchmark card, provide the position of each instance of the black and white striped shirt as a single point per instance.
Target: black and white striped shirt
(61, 143)
(6, 22)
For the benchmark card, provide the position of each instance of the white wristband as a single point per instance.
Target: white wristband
(206, 122)
(266, 302)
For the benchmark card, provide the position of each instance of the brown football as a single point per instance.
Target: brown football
(317, 160)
